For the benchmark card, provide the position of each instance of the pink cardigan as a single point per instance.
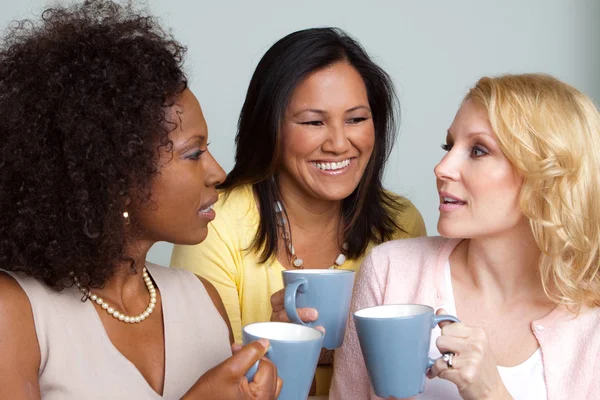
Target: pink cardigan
(411, 271)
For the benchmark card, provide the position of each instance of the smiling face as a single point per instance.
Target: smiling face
(184, 190)
(478, 186)
(328, 134)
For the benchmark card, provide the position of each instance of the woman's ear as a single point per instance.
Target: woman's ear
(125, 208)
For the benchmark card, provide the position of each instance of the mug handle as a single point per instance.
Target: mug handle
(289, 299)
(436, 320)
(252, 371)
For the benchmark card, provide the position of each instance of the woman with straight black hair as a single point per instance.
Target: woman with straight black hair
(314, 133)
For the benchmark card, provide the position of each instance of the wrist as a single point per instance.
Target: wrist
(505, 396)
(500, 394)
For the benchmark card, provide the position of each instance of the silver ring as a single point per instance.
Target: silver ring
(448, 357)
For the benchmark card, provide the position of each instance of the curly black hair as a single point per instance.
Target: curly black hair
(83, 96)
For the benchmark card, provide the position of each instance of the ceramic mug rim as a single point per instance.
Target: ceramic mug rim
(318, 272)
(302, 327)
(425, 310)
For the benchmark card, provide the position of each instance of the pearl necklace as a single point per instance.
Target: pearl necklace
(287, 238)
(116, 314)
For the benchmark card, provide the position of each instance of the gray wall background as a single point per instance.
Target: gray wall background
(433, 49)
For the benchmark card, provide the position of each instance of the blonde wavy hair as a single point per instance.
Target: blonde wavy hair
(550, 132)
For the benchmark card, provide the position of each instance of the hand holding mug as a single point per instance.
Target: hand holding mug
(474, 369)
(394, 340)
(227, 380)
(327, 291)
(294, 349)
(306, 314)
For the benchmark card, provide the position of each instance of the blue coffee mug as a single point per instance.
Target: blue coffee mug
(294, 349)
(395, 341)
(328, 291)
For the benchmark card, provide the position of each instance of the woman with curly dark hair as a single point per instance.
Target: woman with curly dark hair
(104, 153)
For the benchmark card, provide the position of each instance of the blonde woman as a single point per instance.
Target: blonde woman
(520, 212)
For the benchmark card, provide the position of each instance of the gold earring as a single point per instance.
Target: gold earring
(126, 217)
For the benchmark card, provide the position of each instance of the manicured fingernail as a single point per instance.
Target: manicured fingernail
(264, 342)
(313, 314)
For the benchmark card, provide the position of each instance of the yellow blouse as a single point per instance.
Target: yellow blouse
(245, 285)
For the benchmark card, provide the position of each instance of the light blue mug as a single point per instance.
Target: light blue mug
(294, 349)
(395, 341)
(328, 291)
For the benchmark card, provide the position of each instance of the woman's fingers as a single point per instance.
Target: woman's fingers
(457, 329)
(279, 386)
(236, 347)
(305, 314)
(265, 380)
(277, 300)
(452, 375)
(450, 343)
(441, 365)
(441, 311)
(279, 316)
(243, 359)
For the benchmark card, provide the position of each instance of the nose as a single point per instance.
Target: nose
(447, 168)
(215, 175)
(337, 140)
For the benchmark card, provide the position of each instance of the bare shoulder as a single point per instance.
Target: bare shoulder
(20, 361)
(212, 291)
(216, 299)
(13, 302)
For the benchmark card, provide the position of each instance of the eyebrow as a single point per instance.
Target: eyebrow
(470, 134)
(323, 112)
(198, 137)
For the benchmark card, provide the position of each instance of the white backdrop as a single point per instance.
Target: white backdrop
(433, 49)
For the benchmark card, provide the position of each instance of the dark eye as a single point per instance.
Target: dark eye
(196, 154)
(478, 151)
(356, 120)
(312, 123)
(446, 147)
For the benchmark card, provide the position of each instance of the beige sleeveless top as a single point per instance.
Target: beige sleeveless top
(78, 360)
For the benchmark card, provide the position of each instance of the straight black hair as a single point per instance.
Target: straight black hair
(368, 213)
